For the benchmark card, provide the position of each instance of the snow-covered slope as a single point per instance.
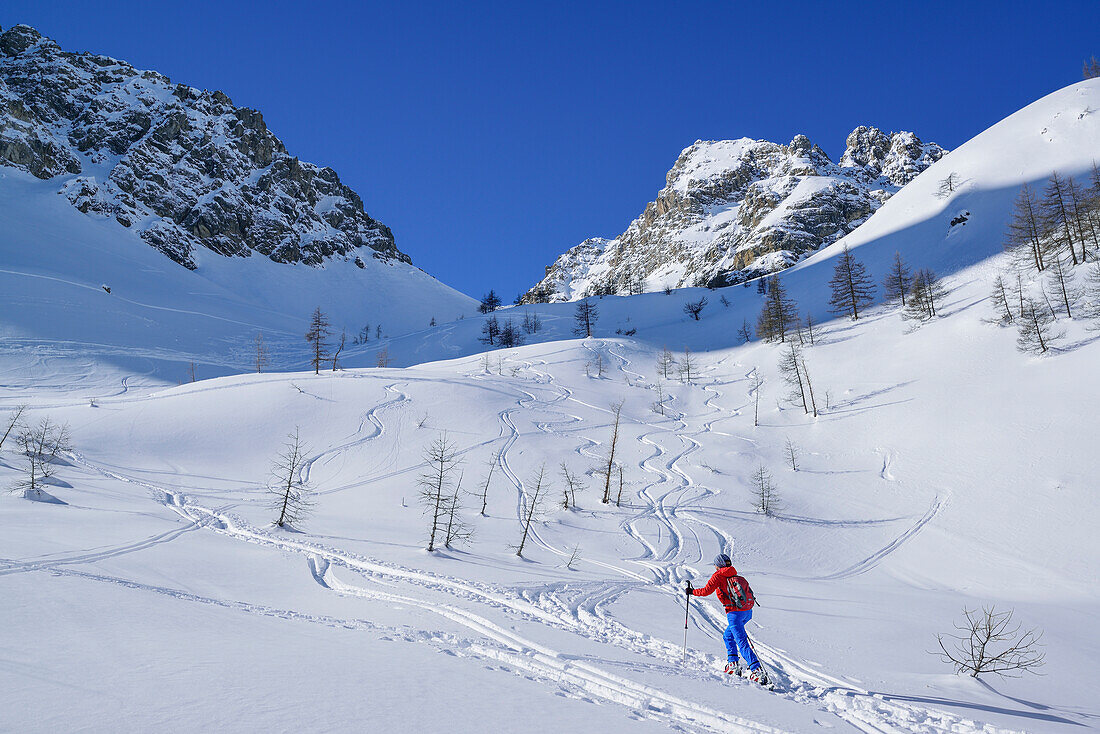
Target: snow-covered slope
(945, 471)
(735, 209)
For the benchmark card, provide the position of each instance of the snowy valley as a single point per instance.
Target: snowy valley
(147, 587)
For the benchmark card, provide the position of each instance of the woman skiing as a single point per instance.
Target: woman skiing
(736, 596)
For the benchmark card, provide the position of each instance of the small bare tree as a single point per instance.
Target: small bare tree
(694, 308)
(339, 348)
(764, 491)
(42, 445)
(14, 423)
(999, 297)
(745, 332)
(383, 357)
(665, 363)
(1035, 327)
(532, 505)
(491, 463)
(948, 185)
(688, 367)
(659, 404)
(531, 322)
(317, 336)
(792, 454)
(572, 484)
(990, 643)
(755, 383)
(435, 484)
(574, 557)
(289, 488)
(260, 356)
(458, 530)
(790, 366)
(606, 470)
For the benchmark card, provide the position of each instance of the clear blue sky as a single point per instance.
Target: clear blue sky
(493, 136)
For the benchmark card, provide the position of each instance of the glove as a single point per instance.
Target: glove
(688, 589)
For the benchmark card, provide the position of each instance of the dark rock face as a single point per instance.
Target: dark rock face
(732, 210)
(185, 168)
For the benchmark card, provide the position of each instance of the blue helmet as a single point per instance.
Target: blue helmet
(722, 560)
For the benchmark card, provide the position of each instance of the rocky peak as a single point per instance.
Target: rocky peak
(897, 157)
(736, 209)
(185, 168)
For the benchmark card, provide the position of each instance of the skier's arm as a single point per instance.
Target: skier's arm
(709, 588)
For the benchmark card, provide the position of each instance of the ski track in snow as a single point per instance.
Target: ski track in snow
(581, 609)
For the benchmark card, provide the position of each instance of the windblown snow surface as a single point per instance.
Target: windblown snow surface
(945, 471)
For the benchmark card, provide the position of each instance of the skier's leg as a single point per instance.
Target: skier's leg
(729, 636)
(741, 638)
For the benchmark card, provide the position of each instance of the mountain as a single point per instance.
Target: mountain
(735, 209)
(139, 211)
(182, 167)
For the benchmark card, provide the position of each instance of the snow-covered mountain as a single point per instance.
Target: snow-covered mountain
(735, 209)
(944, 471)
(139, 211)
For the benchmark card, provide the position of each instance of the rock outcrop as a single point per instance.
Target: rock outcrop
(184, 167)
(732, 210)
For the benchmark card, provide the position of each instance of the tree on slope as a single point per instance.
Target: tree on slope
(289, 488)
(584, 318)
(490, 331)
(489, 302)
(1062, 282)
(851, 287)
(898, 281)
(436, 493)
(665, 363)
(14, 423)
(607, 469)
(694, 308)
(779, 314)
(1035, 328)
(317, 336)
(1025, 231)
(260, 354)
(1000, 300)
(688, 367)
(990, 643)
(764, 491)
(1058, 219)
(532, 505)
(925, 296)
(41, 444)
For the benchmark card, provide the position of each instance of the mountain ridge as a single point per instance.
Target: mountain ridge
(185, 168)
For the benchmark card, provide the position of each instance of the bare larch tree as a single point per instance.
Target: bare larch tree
(764, 491)
(779, 314)
(1025, 231)
(289, 487)
(989, 643)
(606, 470)
(755, 383)
(261, 359)
(687, 367)
(665, 363)
(532, 505)
(584, 318)
(1035, 327)
(898, 281)
(41, 444)
(14, 423)
(491, 463)
(436, 492)
(317, 336)
(851, 287)
(694, 308)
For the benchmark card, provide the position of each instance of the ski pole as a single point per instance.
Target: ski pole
(687, 613)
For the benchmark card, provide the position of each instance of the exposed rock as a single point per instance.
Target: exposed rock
(736, 209)
(184, 167)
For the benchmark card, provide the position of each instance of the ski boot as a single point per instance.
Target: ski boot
(733, 669)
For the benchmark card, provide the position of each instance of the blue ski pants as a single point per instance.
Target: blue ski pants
(737, 639)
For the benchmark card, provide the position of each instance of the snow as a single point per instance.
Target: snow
(947, 471)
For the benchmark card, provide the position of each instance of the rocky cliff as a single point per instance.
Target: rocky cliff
(183, 167)
(735, 209)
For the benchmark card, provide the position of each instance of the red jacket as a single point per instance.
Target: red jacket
(718, 583)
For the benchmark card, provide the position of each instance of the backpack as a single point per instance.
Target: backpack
(739, 592)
